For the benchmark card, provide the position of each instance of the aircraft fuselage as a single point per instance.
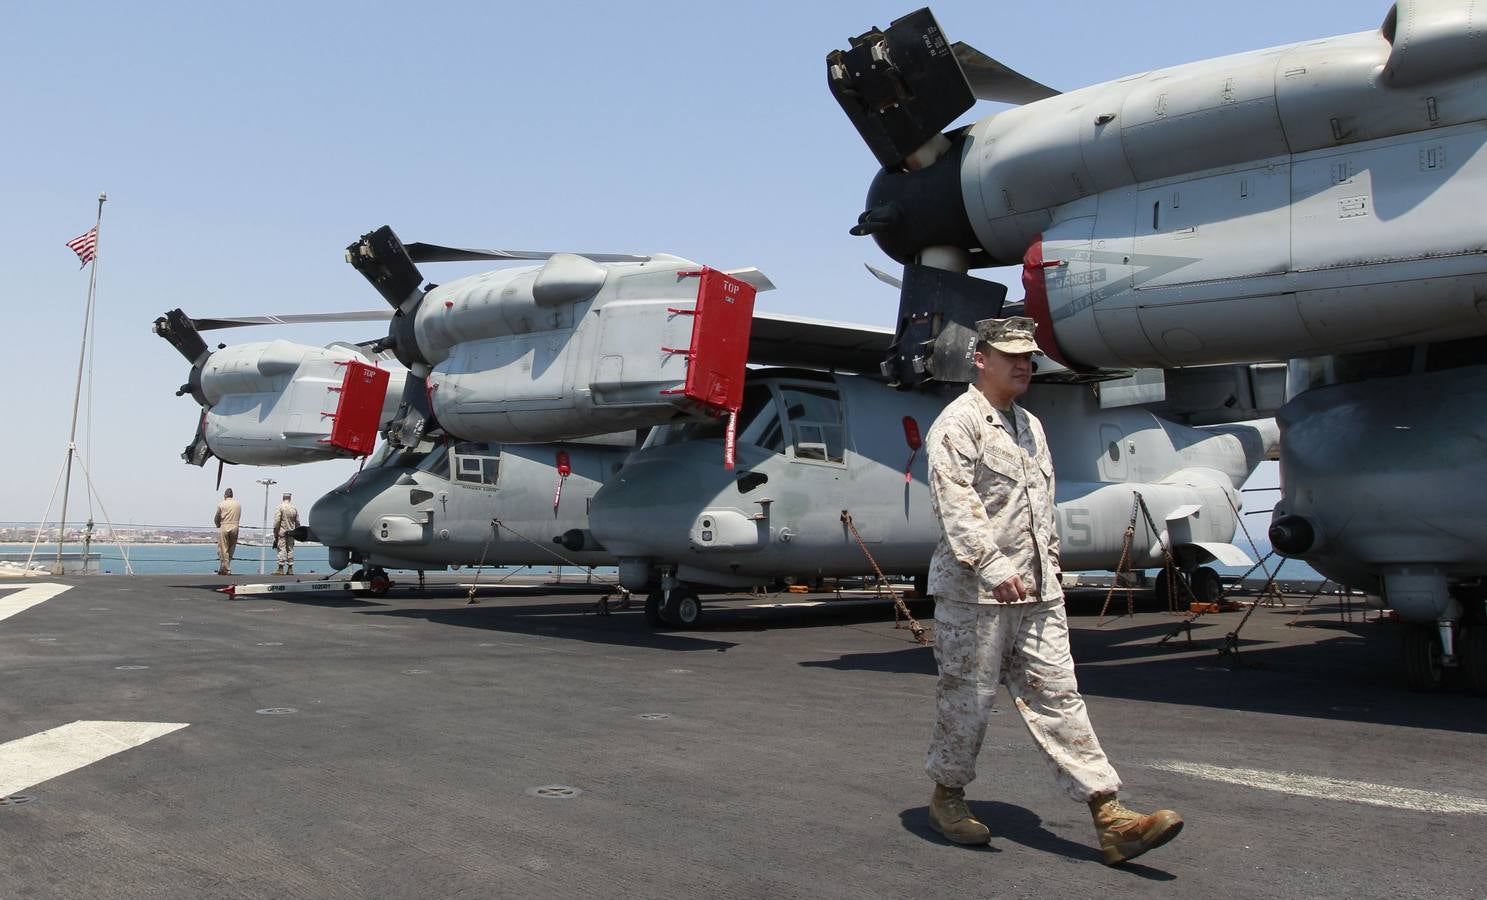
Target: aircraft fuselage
(433, 510)
(842, 447)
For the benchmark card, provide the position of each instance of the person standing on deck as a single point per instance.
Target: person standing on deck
(999, 603)
(286, 519)
(229, 514)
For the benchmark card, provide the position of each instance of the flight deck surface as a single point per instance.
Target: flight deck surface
(527, 746)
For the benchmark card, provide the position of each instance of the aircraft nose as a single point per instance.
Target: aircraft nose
(330, 519)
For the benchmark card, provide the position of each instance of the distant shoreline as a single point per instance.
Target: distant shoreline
(112, 543)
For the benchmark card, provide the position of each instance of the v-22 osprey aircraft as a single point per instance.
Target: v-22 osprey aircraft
(815, 446)
(1318, 202)
(675, 520)
(449, 502)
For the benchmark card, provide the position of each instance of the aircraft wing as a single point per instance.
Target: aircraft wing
(781, 340)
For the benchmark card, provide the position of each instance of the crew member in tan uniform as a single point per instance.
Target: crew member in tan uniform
(999, 605)
(229, 514)
(286, 519)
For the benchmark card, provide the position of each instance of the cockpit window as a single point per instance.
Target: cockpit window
(815, 415)
(1444, 355)
(388, 456)
(764, 429)
(1348, 368)
(436, 463)
(477, 463)
(379, 456)
(756, 398)
(771, 431)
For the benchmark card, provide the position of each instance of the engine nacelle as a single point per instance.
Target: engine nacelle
(279, 403)
(576, 348)
(1381, 473)
(1297, 201)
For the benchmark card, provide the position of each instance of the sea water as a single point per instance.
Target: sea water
(154, 559)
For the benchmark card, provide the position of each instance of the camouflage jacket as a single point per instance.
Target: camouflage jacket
(286, 519)
(993, 495)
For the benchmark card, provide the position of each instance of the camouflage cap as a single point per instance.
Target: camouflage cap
(1014, 335)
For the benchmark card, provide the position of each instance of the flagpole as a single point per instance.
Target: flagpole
(77, 393)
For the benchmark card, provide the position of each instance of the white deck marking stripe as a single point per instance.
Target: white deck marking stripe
(28, 761)
(26, 598)
(1331, 788)
(809, 604)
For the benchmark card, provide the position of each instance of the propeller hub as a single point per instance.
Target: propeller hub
(404, 341)
(908, 211)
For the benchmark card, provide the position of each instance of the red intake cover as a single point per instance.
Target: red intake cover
(720, 342)
(359, 412)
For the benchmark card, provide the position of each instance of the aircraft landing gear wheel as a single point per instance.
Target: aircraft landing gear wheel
(358, 575)
(1207, 585)
(1423, 671)
(653, 603)
(1473, 651)
(378, 582)
(1176, 594)
(682, 608)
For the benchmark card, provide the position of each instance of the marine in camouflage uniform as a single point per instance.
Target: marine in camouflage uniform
(286, 519)
(999, 604)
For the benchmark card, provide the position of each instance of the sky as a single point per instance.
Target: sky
(243, 146)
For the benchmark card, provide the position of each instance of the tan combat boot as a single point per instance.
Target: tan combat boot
(1125, 834)
(289, 571)
(279, 571)
(949, 816)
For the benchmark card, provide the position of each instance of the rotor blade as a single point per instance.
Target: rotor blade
(382, 259)
(885, 277)
(177, 328)
(900, 87)
(364, 315)
(421, 253)
(784, 340)
(991, 80)
(415, 415)
(197, 452)
(937, 315)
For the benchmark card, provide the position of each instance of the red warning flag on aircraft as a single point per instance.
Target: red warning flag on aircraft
(85, 245)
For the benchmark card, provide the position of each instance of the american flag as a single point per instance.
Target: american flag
(85, 245)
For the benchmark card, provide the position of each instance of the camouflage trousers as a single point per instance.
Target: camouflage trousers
(286, 550)
(1026, 647)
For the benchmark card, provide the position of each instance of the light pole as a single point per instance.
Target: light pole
(263, 546)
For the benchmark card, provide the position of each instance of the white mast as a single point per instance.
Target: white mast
(78, 392)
